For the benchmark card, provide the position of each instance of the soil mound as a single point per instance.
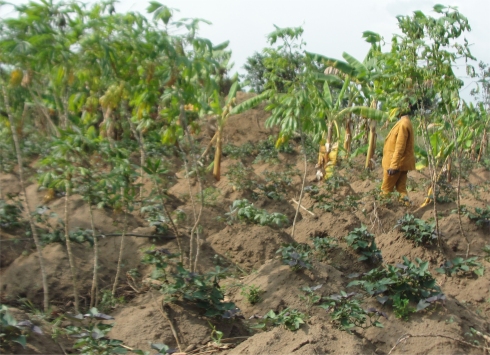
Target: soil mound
(141, 323)
(248, 245)
(21, 278)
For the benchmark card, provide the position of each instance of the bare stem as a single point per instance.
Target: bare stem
(26, 201)
(93, 296)
(71, 259)
(121, 249)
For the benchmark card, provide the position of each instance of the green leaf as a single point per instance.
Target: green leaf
(327, 94)
(361, 70)
(438, 8)
(250, 103)
(366, 112)
(221, 46)
(232, 92)
(331, 62)
(21, 339)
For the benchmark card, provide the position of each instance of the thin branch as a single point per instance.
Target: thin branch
(406, 336)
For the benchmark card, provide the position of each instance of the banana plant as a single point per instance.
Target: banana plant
(357, 87)
(222, 114)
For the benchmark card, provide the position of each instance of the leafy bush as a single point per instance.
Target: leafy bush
(346, 312)
(486, 250)
(481, 216)
(13, 331)
(268, 153)
(363, 242)
(10, 214)
(245, 211)
(461, 266)
(235, 152)
(277, 183)
(289, 318)
(334, 182)
(417, 230)
(410, 280)
(92, 337)
(323, 246)
(240, 176)
(402, 308)
(310, 297)
(252, 293)
(155, 217)
(201, 289)
(296, 255)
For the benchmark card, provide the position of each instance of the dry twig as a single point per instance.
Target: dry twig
(296, 202)
(406, 336)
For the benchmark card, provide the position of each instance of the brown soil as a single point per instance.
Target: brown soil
(252, 250)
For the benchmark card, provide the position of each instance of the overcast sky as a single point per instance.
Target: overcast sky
(330, 27)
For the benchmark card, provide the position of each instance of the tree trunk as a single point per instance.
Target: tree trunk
(372, 145)
(348, 136)
(26, 202)
(121, 249)
(483, 145)
(95, 281)
(305, 158)
(217, 154)
(71, 259)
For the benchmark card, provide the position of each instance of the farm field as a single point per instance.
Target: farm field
(150, 205)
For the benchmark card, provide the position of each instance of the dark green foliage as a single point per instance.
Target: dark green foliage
(445, 192)
(486, 250)
(323, 246)
(255, 77)
(290, 319)
(461, 266)
(277, 183)
(13, 331)
(410, 280)
(296, 255)
(481, 216)
(268, 153)
(92, 338)
(363, 242)
(417, 230)
(156, 217)
(240, 176)
(346, 312)
(10, 213)
(247, 212)
(203, 290)
(238, 152)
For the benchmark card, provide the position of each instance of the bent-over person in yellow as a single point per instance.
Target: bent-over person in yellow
(398, 157)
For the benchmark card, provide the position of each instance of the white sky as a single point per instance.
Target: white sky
(331, 27)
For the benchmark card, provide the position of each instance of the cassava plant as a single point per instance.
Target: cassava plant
(11, 118)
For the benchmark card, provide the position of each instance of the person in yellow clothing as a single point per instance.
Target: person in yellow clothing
(398, 157)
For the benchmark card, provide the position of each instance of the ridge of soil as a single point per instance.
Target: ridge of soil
(251, 250)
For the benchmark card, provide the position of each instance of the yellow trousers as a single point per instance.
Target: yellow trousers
(398, 181)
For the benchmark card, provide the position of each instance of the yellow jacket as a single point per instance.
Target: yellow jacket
(398, 151)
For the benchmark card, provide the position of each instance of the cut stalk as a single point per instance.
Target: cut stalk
(372, 145)
(71, 259)
(121, 249)
(95, 281)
